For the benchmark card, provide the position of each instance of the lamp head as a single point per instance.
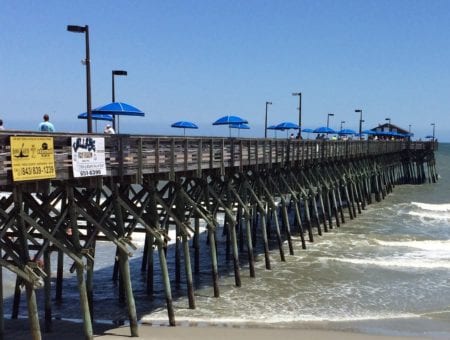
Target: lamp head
(76, 29)
(119, 73)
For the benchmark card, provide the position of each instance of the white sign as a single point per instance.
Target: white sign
(88, 156)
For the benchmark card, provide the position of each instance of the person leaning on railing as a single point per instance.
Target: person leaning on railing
(46, 126)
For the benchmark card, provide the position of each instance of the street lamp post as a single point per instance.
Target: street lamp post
(87, 62)
(360, 121)
(342, 123)
(328, 119)
(434, 126)
(265, 123)
(299, 94)
(116, 73)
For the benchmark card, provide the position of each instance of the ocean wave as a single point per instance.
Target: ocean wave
(265, 319)
(432, 207)
(431, 215)
(399, 262)
(431, 245)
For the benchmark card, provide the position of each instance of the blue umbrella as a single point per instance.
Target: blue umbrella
(324, 129)
(429, 136)
(369, 132)
(399, 134)
(274, 128)
(184, 125)
(239, 126)
(119, 109)
(227, 120)
(96, 116)
(346, 132)
(308, 130)
(287, 126)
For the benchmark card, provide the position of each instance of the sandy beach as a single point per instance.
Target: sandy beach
(19, 330)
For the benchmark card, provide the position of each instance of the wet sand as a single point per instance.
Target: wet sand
(19, 330)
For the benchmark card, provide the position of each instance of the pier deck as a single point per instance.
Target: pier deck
(265, 188)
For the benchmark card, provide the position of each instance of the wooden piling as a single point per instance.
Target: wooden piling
(273, 208)
(25, 257)
(211, 238)
(150, 264)
(125, 272)
(322, 208)
(90, 283)
(84, 303)
(33, 312)
(2, 311)
(348, 200)
(16, 299)
(315, 212)
(265, 240)
(308, 218)
(197, 245)
(124, 262)
(166, 282)
(179, 211)
(59, 276)
(47, 292)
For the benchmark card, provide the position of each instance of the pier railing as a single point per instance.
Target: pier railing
(163, 156)
(159, 184)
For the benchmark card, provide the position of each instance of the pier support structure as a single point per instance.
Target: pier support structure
(242, 210)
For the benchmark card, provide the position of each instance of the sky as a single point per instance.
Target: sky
(200, 60)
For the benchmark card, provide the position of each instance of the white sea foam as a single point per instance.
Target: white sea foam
(431, 211)
(398, 262)
(429, 245)
(431, 215)
(432, 207)
(264, 319)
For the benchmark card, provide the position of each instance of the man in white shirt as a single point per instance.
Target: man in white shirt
(109, 130)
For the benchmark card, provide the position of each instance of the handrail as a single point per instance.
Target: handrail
(133, 155)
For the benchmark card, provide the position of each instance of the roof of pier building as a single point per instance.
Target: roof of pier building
(386, 127)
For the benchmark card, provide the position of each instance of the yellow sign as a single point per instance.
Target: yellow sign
(32, 158)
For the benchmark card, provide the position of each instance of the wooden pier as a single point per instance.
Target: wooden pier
(267, 189)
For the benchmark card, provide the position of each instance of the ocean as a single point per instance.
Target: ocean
(385, 272)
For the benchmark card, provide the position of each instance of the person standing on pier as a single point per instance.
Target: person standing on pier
(109, 130)
(1, 125)
(46, 126)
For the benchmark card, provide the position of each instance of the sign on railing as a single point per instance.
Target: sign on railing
(88, 156)
(32, 158)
